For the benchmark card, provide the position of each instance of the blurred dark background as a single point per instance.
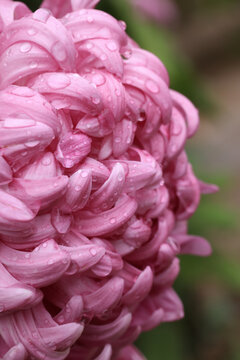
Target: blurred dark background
(198, 41)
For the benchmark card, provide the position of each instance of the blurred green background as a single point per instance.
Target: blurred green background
(200, 48)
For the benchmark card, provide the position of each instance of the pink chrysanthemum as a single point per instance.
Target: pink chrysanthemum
(95, 185)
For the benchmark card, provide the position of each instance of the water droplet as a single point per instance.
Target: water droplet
(46, 160)
(32, 144)
(96, 100)
(50, 262)
(25, 47)
(89, 45)
(152, 86)
(111, 45)
(127, 54)
(89, 19)
(33, 64)
(176, 130)
(84, 174)
(122, 24)
(77, 188)
(117, 140)
(117, 92)
(44, 245)
(32, 32)
(112, 220)
(93, 252)
(99, 79)
(58, 81)
(24, 153)
(120, 177)
(59, 51)
(27, 256)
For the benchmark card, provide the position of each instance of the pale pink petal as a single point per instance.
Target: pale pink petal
(102, 334)
(130, 353)
(38, 268)
(12, 10)
(188, 110)
(17, 352)
(5, 172)
(196, 245)
(106, 196)
(207, 188)
(91, 224)
(78, 191)
(68, 91)
(73, 149)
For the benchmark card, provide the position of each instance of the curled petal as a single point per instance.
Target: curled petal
(130, 353)
(73, 149)
(38, 268)
(107, 195)
(14, 295)
(140, 289)
(91, 224)
(44, 193)
(106, 297)
(207, 188)
(196, 245)
(78, 191)
(100, 334)
(71, 312)
(17, 352)
(83, 257)
(94, 24)
(105, 354)
(123, 135)
(68, 91)
(5, 172)
(13, 212)
(44, 167)
(188, 110)
(12, 10)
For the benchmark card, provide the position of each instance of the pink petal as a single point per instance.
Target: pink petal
(188, 110)
(78, 191)
(17, 352)
(5, 172)
(130, 353)
(107, 195)
(106, 297)
(38, 268)
(91, 224)
(68, 91)
(12, 10)
(73, 149)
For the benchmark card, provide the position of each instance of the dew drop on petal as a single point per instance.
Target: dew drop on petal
(111, 45)
(32, 31)
(25, 47)
(112, 220)
(93, 252)
(152, 86)
(84, 174)
(99, 79)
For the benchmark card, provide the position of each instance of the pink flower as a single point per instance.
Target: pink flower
(95, 185)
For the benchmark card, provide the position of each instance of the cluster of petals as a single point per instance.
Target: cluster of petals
(95, 186)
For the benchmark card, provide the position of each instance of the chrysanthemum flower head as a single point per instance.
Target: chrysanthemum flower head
(95, 186)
